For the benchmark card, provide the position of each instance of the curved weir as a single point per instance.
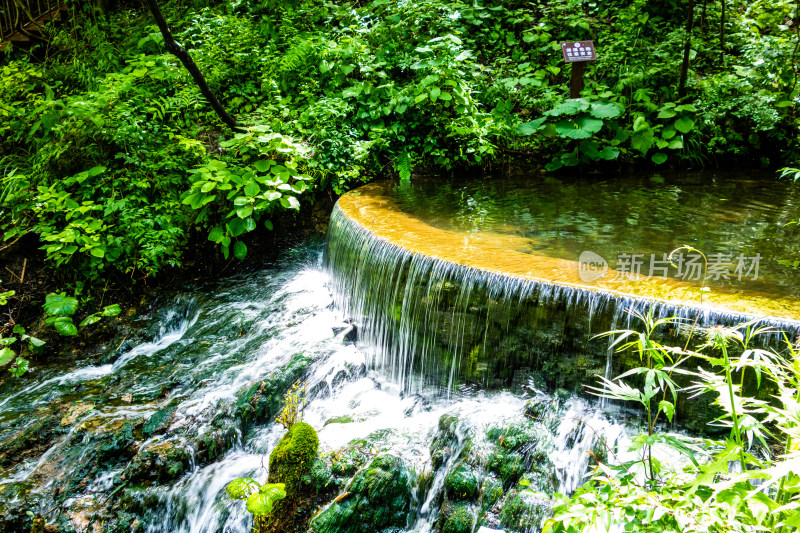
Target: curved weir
(446, 307)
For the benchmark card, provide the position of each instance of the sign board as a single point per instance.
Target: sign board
(577, 51)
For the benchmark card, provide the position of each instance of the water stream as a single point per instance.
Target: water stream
(207, 345)
(468, 376)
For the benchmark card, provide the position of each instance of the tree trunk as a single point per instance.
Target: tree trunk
(722, 35)
(179, 52)
(687, 47)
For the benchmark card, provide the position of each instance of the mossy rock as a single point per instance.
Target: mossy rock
(158, 422)
(293, 457)
(458, 520)
(491, 492)
(444, 440)
(523, 511)
(320, 477)
(216, 440)
(262, 401)
(461, 483)
(379, 498)
(160, 461)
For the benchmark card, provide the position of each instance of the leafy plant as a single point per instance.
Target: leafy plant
(60, 308)
(727, 485)
(294, 403)
(259, 498)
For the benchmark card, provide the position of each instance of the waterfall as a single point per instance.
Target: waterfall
(427, 321)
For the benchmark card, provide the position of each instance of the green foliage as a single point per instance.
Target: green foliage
(59, 309)
(115, 160)
(727, 485)
(259, 498)
(294, 403)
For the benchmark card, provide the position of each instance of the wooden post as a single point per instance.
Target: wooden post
(576, 80)
(578, 53)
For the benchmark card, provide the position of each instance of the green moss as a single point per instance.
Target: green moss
(459, 520)
(293, 456)
(158, 421)
(378, 498)
(523, 511)
(461, 483)
(491, 492)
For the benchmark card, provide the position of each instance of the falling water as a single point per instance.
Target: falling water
(431, 322)
(447, 374)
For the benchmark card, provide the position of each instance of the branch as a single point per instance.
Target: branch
(178, 51)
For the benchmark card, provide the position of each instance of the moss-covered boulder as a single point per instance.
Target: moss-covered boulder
(461, 483)
(293, 456)
(291, 463)
(379, 498)
(459, 519)
(524, 511)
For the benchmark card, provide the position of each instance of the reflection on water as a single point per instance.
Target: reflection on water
(739, 222)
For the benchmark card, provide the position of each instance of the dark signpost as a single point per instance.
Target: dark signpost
(578, 53)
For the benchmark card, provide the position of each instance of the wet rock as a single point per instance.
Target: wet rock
(378, 498)
(491, 493)
(159, 461)
(461, 483)
(35, 438)
(15, 502)
(216, 439)
(259, 403)
(76, 411)
(523, 511)
(347, 461)
(444, 441)
(158, 422)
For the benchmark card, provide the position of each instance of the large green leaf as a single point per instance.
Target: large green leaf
(581, 128)
(684, 124)
(529, 128)
(64, 326)
(60, 305)
(111, 310)
(91, 319)
(6, 355)
(240, 489)
(262, 501)
(605, 109)
(570, 107)
(239, 250)
(659, 158)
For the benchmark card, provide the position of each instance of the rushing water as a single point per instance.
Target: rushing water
(447, 374)
(204, 347)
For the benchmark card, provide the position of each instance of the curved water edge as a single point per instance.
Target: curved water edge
(442, 308)
(148, 441)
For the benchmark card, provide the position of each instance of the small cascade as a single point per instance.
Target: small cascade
(427, 321)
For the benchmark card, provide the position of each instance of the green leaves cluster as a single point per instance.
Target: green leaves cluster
(259, 498)
(232, 200)
(60, 308)
(595, 129)
(725, 485)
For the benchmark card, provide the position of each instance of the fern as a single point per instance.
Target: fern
(404, 166)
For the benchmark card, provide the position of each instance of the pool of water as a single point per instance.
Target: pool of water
(741, 222)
